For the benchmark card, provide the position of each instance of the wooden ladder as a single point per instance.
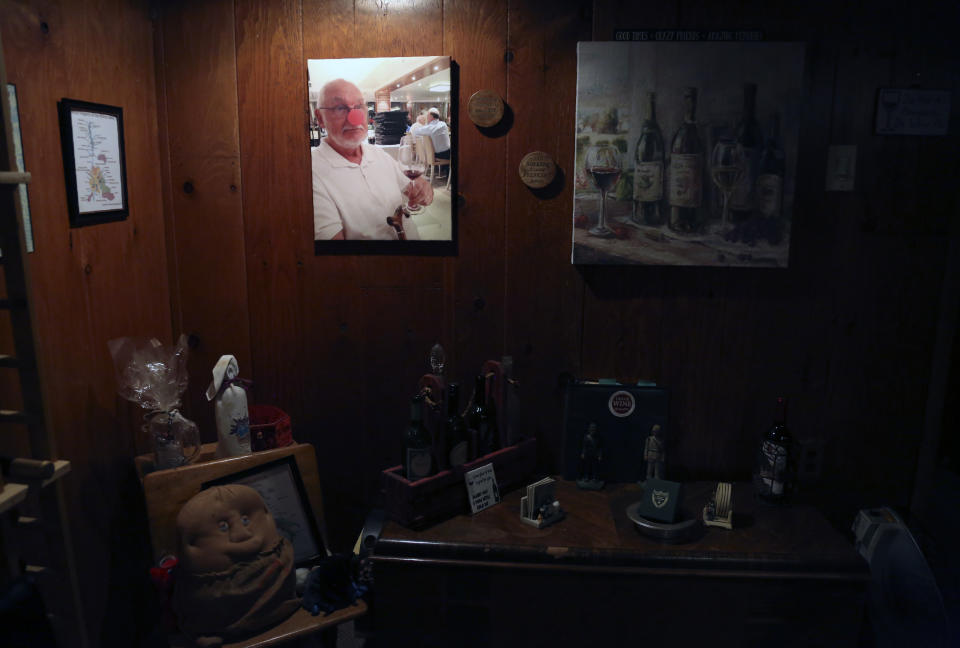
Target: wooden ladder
(33, 520)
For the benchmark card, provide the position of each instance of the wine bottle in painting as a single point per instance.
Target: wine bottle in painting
(770, 184)
(686, 170)
(750, 137)
(417, 446)
(772, 170)
(648, 170)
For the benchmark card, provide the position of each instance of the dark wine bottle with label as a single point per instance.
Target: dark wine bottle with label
(686, 170)
(648, 170)
(480, 421)
(750, 138)
(417, 447)
(774, 475)
(770, 184)
(772, 169)
(455, 429)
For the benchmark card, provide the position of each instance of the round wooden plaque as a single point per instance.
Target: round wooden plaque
(485, 108)
(537, 169)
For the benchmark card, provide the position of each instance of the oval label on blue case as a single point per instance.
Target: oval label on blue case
(621, 404)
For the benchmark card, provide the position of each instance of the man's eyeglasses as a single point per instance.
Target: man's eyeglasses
(342, 110)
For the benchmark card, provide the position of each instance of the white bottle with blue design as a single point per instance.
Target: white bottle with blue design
(230, 409)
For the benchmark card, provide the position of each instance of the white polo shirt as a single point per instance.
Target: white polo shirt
(357, 198)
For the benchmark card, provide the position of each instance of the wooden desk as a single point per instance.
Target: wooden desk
(782, 577)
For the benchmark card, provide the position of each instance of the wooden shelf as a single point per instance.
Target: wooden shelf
(61, 468)
(300, 624)
(14, 177)
(11, 495)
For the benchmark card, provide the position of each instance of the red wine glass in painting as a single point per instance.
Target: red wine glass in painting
(727, 166)
(413, 166)
(603, 165)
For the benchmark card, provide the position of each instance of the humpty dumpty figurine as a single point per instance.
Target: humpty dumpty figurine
(236, 575)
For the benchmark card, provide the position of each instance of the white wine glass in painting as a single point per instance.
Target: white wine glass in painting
(413, 166)
(603, 165)
(727, 166)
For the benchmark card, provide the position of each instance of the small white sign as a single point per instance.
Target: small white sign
(482, 488)
(912, 111)
(841, 167)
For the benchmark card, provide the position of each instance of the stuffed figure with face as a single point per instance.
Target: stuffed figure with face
(236, 575)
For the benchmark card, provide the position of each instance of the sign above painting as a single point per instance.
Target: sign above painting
(687, 35)
(686, 151)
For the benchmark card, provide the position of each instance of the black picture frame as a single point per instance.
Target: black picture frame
(106, 188)
(281, 487)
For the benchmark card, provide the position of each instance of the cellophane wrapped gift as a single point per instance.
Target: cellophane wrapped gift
(154, 376)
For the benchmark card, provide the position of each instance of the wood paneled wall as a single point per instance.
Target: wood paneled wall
(218, 243)
(92, 284)
(339, 341)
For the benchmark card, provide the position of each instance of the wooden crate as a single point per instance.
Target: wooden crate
(438, 497)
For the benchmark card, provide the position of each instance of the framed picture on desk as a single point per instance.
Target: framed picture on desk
(382, 155)
(624, 415)
(282, 490)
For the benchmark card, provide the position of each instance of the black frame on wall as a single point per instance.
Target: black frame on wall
(114, 210)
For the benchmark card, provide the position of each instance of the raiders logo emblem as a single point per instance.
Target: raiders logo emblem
(660, 498)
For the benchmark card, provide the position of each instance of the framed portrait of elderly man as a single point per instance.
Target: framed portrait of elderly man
(382, 156)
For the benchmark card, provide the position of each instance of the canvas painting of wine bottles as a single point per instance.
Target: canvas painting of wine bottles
(686, 153)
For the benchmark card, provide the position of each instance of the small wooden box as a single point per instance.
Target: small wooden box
(438, 497)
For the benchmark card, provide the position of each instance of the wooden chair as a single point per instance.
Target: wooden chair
(425, 144)
(166, 491)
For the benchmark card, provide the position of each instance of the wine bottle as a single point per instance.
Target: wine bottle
(479, 419)
(686, 170)
(648, 170)
(455, 429)
(774, 474)
(750, 137)
(770, 178)
(417, 445)
(437, 359)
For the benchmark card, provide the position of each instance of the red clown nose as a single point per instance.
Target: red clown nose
(357, 116)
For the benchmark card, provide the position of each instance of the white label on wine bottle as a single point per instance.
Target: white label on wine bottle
(769, 192)
(458, 454)
(686, 182)
(418, 463)
(742, 196)
(648, 182)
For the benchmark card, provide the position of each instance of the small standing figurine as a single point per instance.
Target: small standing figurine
(591, 456)
(654, 454)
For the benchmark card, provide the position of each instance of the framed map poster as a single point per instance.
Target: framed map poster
(94, 166)
(686, 152)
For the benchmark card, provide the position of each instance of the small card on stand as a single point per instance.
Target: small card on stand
(482, 488)
(661, 500)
